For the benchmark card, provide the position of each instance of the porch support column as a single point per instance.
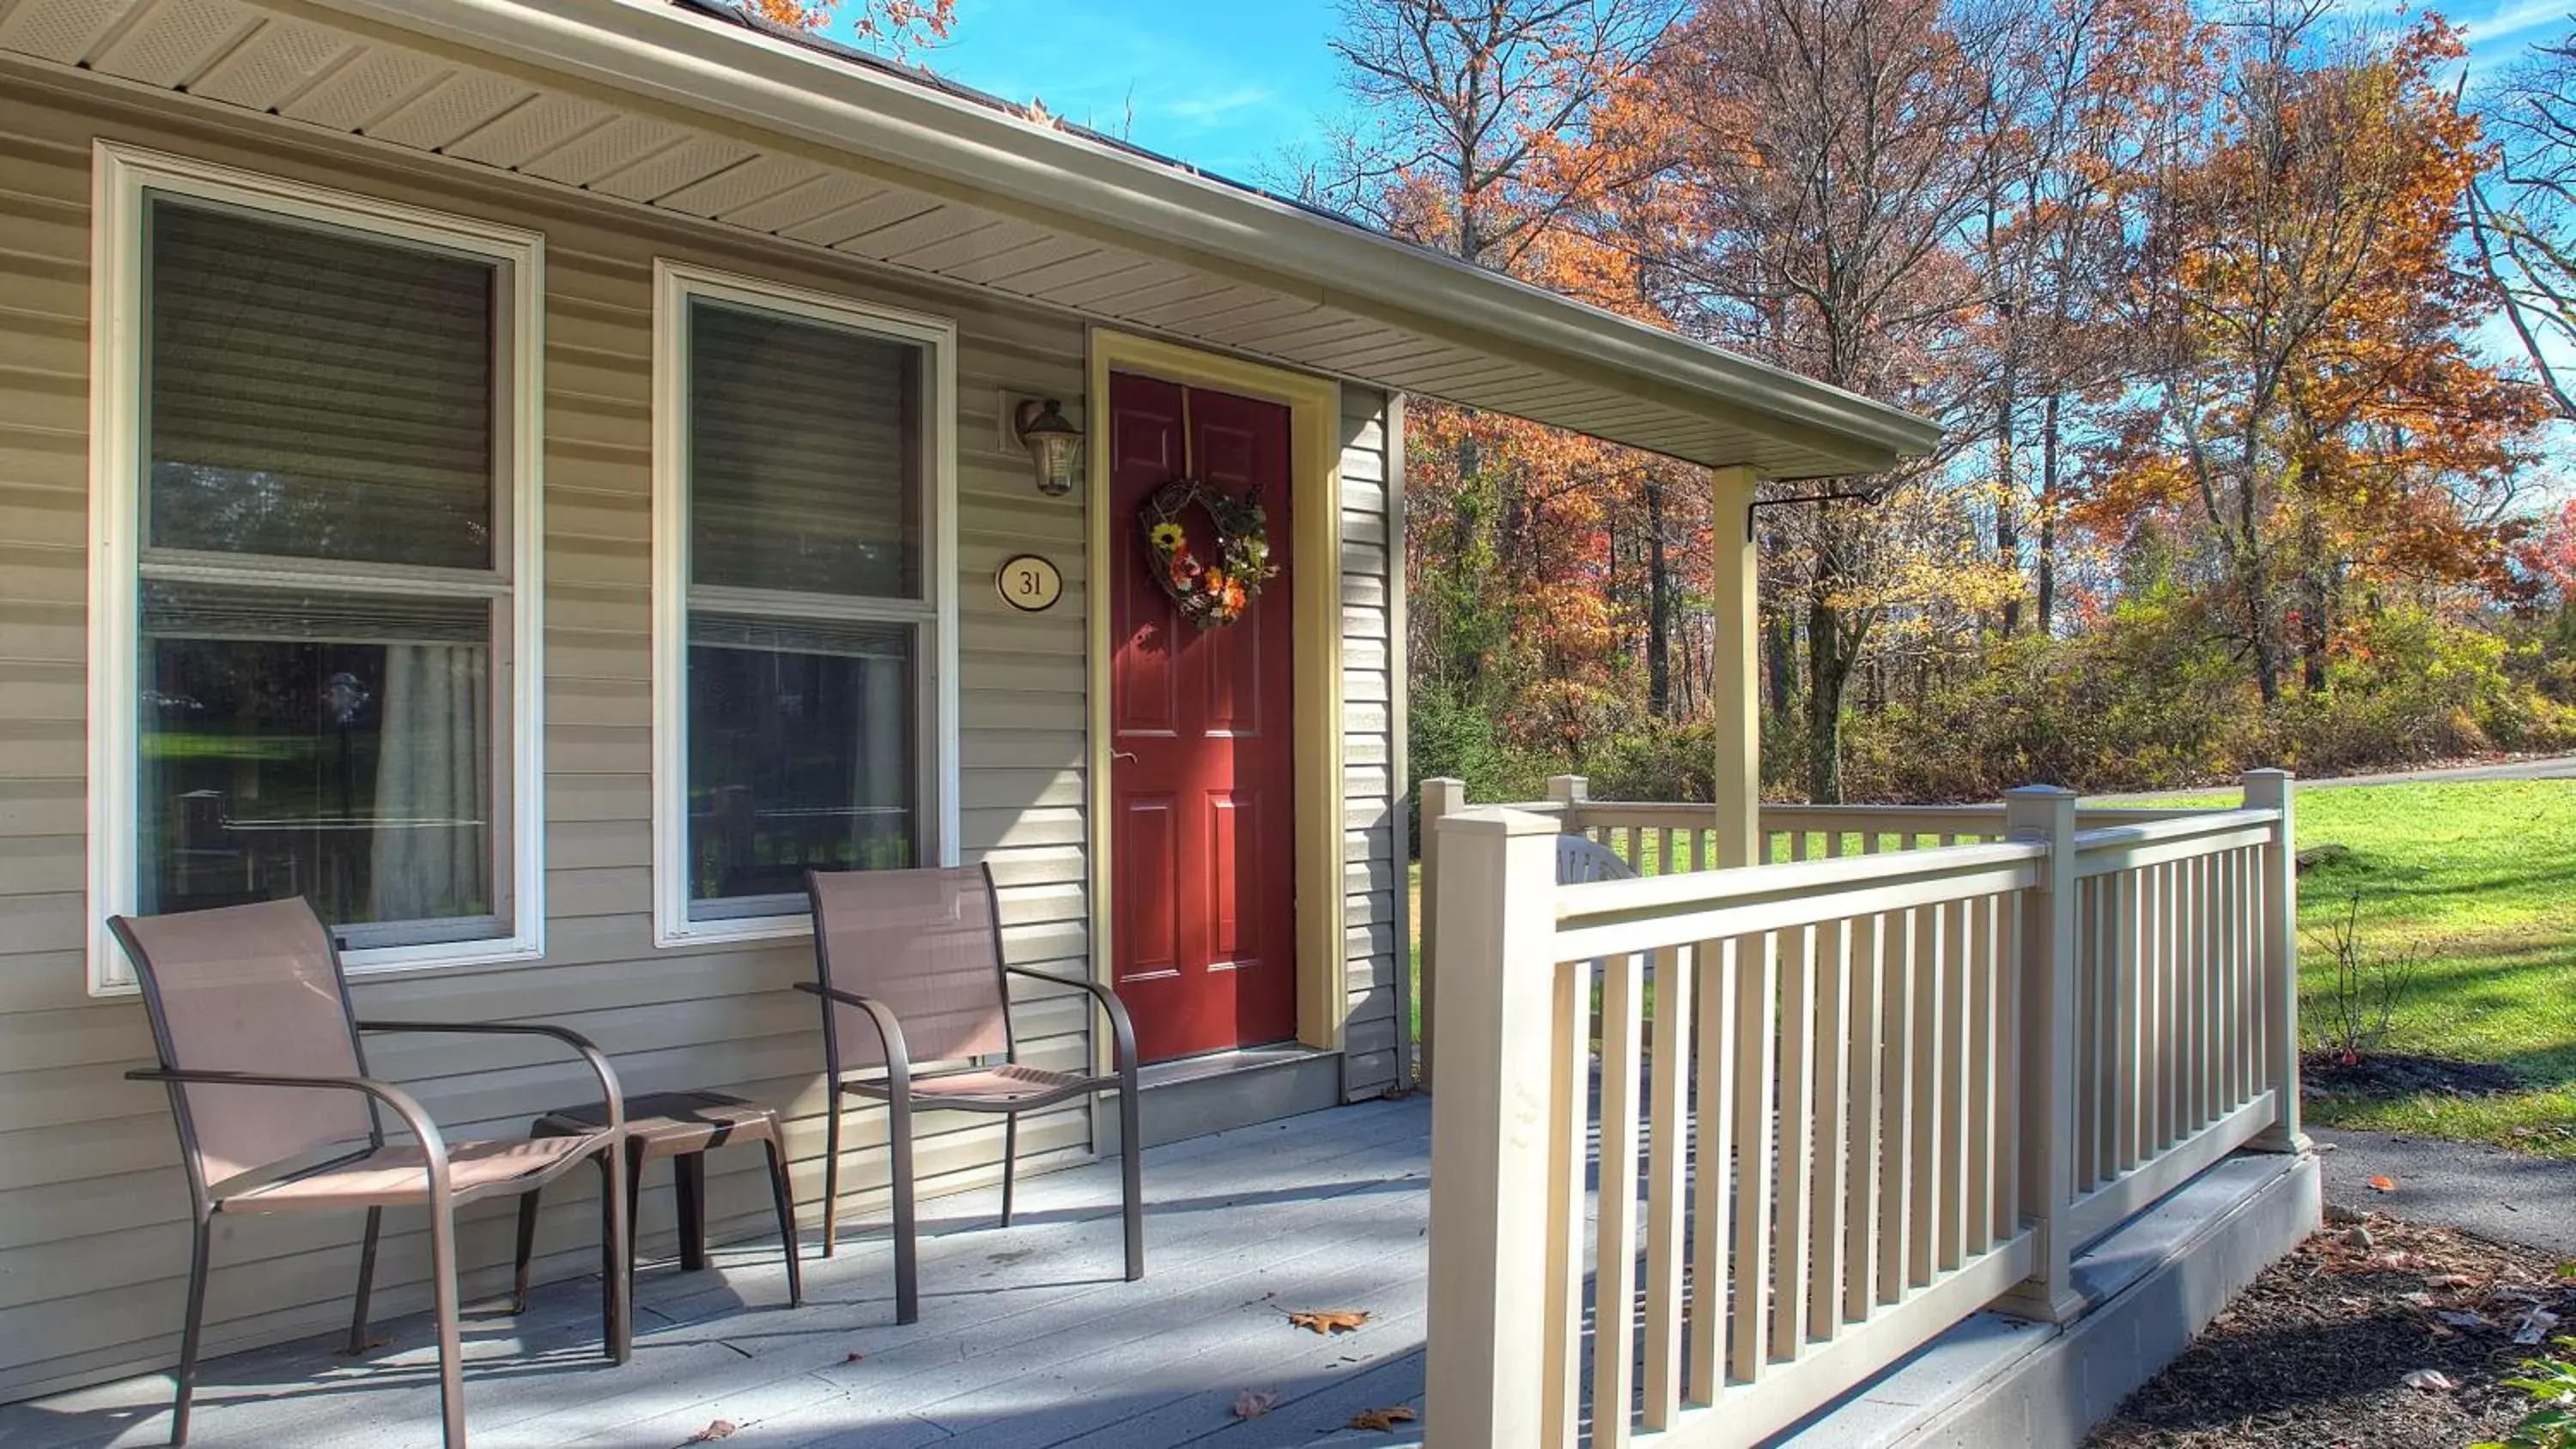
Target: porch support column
(1735, 673)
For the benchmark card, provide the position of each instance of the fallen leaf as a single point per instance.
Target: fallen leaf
(1329, 1320)
(2450, 1280)
(2534, 1327)
(2567, 1269)
(720, 1429)
(2383, 1184)
(2462, 1320)
(2431, 1381)
(1253, 1403)
(854, 1357)
(365, 1347)
(1382, 1420)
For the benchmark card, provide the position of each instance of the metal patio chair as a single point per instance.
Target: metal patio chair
(268, 1083)
(909, 967)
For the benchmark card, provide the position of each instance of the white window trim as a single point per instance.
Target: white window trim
(120, 176)
(675, 285)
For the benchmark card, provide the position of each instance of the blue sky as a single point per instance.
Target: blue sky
(1225, 85)
(1229, 85)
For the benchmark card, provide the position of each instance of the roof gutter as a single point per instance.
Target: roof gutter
(704, 66)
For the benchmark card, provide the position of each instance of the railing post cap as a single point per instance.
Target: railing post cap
(2270, 772)
(2039, 792)
(1495, 820)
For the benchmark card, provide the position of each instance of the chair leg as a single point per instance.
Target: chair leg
(367, 1280)
(1010, 1160)
(784, 1193)
(689, 1192)
(907, 1264)
(1131, 1144)
(527, 1250)
(190, 1332)
(617, 1251)
(451, 1349)
(832, 1175)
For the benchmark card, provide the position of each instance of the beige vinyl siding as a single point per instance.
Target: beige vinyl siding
(92, 1205)
(1372, 862)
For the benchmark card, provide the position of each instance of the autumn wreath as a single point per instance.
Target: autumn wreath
(1209, 593)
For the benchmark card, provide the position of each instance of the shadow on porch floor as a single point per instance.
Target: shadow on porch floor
(1028, 1337)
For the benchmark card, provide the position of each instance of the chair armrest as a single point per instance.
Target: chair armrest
(433, 1145)
(898, 1057)
(1122, 1032)
(611, 1095)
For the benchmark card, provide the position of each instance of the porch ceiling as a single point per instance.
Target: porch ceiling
(648, 103)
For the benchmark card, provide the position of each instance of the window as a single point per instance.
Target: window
(804, 678)
(314, 643)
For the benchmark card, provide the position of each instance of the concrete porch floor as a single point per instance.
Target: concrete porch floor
(1028, 1336)
(1030, 1339)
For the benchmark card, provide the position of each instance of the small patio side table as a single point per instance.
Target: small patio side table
(681, 1126)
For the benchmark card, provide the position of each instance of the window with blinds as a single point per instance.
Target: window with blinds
(323, 600)
(808, 605)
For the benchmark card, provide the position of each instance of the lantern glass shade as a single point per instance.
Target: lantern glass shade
(1053, 443)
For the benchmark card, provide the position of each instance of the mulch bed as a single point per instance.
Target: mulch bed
(2385, 1076)
(2318, 1352)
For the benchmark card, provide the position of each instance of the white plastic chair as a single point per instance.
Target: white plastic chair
(1580, 861)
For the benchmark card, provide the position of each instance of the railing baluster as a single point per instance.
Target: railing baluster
(1957, 1070)
(1667, 1180)
(2008, 1047)
(1757, 1020)
(1896, 1158)
(1861, 1227)
(2240, 941)
(1569, 1117)
(1714, 1174)
(1981, 1056)
(1797, 1145)
(1924, 1252)
(1833, 1033)
(1614, 1268)
(2204, 990)
(2089, 1074)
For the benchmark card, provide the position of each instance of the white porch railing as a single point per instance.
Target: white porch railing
(1665, 838)
(1866, 1094)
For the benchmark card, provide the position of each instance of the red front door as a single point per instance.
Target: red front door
(1202, 864)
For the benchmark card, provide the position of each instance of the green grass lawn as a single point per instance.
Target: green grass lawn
(2480, 879)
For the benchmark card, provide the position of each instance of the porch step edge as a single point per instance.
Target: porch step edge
(1994, 1382)
(1198, 1096)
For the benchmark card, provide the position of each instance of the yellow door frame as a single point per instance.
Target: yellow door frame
(1315, 512)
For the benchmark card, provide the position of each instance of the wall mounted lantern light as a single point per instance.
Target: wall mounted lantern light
(1053, 443)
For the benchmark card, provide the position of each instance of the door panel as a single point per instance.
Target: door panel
(1203, 865)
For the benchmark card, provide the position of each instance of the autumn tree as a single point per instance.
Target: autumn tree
(897, 27)
(1822, 159)
(2317, 402)
(2525, 212)
(2089, 87)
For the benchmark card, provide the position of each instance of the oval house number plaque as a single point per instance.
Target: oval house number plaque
(1029, 583)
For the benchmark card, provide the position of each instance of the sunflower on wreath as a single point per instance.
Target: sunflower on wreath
(1215, 593)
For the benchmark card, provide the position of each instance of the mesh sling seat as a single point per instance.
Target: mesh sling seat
(909, 967)
(261, 1053)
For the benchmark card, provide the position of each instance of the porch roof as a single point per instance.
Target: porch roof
(690, 109)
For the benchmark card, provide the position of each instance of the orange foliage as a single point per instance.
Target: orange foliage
(896, 26)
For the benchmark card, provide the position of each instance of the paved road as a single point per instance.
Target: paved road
(2485, 1190)
(2561, 767)
(2556, 767)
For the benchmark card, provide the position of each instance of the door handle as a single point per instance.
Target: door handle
(1128, 755)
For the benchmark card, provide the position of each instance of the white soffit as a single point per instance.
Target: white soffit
(651, 104)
